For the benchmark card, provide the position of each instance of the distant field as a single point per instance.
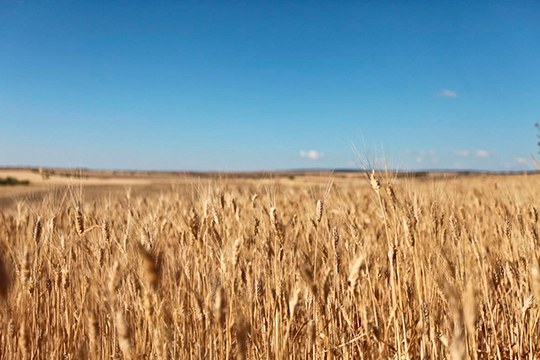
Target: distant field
(103, 182)
(100, 183)
(265, 266)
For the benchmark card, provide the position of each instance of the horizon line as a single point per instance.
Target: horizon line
(290, 170)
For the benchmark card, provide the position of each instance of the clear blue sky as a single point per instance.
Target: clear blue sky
(268, 85)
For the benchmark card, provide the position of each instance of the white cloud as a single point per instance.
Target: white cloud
(311, 154)
(448, 93)
(423, 156)
(481, 153)
(522, 160)
(462, 153)
(478, 153)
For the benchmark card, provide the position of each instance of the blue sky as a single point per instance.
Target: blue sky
(269, 85)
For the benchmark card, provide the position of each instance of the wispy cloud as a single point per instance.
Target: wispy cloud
(447, 93)
(311, 154)
(428, 157)
(462, 153)
(467, 153)
(482, 153)
(522, 160)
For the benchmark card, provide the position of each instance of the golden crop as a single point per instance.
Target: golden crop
(364, 269)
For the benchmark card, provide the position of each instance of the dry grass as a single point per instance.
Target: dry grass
(372, 269)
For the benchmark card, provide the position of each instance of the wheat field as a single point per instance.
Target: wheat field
(370, 268)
